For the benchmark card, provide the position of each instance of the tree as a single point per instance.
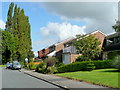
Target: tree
(0, 46)
(9, 18)
(8, 47)
(18, 28)
(88, 46)
(117, 26)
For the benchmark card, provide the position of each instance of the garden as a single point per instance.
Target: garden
(100, 72)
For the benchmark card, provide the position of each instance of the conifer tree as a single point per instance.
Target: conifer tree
(9, 18)
(18, 28)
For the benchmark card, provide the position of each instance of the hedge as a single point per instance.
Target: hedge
(82, 66)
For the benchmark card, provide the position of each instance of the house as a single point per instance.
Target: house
(43, 53)
(70, 53)
(111, 46)
(57, 49)
(54, 50)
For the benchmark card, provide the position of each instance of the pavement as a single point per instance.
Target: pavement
(64, 83)
(15, 80)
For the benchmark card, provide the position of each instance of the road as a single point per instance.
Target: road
(16, 79)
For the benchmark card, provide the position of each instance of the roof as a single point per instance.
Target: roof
(113, 35)
(98, 31)
(70, 39)
(90, 34)
(65, 41)
(52, 53)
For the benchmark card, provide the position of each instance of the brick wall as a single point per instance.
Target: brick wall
(43, 52)
(73, 57)
(100, 37)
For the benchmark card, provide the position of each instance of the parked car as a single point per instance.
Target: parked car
(8, 65)
(16, 65)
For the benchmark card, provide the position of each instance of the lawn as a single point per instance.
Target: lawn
(2, 65)
(105, 77)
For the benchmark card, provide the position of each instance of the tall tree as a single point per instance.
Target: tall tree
(117, 26)
(88, 46)
(0, 46)
(8, 46)
(15, 29)
(9, 18)
(19, 27)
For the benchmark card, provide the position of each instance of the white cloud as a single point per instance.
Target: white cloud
(2, 24)
(97, 15)
(61, 31)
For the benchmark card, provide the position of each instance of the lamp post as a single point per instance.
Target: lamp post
(26, 60)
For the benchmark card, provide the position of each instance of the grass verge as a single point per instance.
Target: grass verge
(2, 65)
(104, 77)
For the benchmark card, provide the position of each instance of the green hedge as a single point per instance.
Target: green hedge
(102, 64)
(82, 66)
(116, 62)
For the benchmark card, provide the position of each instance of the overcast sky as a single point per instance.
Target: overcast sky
(52, 22)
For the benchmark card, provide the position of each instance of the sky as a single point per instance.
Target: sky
(52, 22)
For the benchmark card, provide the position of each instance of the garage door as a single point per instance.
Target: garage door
(66, 58)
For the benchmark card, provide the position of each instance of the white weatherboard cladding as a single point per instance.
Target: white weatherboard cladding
(52, 53)
(66, 58)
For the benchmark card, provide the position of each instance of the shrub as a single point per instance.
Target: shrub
(116, 62)
(77, 66)
(41, 67)
(47, 66)
(83, 66)
(90, 66)
(102, 64)
(32, 65)
(51, 70)
(58, 64)
(82, 58)
(51, 61)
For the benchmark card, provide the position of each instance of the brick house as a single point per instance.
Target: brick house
(57, 49)
(54, 50)
(43, 53)
(70, 53)
(65, 51)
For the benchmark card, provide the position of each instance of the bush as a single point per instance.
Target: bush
(58, 64)
(48, 66)
(51, 61)
(51, 70)
(90, 66)
(116, 62)
(41, 67)
(32, 65)
(102, 64)
(77, 66)
(82, 66)
(82, 58)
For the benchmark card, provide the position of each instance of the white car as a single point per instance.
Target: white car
(16, 65)
(8, 65)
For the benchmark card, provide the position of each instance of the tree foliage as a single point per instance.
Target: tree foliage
(88, 46)
(8, 46)
(17, 31)
(0, 46)
(117, 26)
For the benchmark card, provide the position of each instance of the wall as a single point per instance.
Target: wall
(100, 37)
(73, 57)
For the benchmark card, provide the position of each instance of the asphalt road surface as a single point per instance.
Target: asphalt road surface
(16, 79)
